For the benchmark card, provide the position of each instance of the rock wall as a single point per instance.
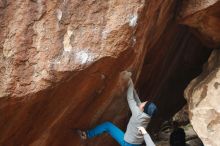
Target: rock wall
(163, 79)
(42, 40)
(203, 99)
(204, 19)
(60, 62)
(202, 93)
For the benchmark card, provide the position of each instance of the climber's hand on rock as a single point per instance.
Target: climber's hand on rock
(125, 74)
(142, 130)
(125, 77)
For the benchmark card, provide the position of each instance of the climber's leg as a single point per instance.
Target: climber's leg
(110, 128)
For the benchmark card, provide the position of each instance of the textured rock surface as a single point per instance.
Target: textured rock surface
(182, 117)
(203, 98)
(60, 63)
(168, 68)
(41, 39)
(204, 17)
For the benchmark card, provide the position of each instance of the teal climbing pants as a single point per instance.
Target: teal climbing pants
(112, 130)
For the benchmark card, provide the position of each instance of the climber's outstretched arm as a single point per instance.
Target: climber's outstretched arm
(131, 99)
(136, 97)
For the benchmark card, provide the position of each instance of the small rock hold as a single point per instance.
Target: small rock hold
(35, 1)
(59, 14)
(103, 76)
(133, 21)
(3, 3)
(216, 85)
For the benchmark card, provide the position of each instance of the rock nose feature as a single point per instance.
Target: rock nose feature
(61, 61)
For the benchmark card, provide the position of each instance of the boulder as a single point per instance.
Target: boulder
(203, 17)
(202, 95)
(60, 62)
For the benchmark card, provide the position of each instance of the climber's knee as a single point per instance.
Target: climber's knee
(108, 124)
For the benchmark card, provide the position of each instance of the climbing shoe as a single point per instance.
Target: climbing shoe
(82, 134)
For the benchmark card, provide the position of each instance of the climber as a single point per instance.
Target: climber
(141, 115)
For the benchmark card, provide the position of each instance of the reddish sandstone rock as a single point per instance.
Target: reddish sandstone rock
(60, 63)
(203, 16)
(41, 40)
